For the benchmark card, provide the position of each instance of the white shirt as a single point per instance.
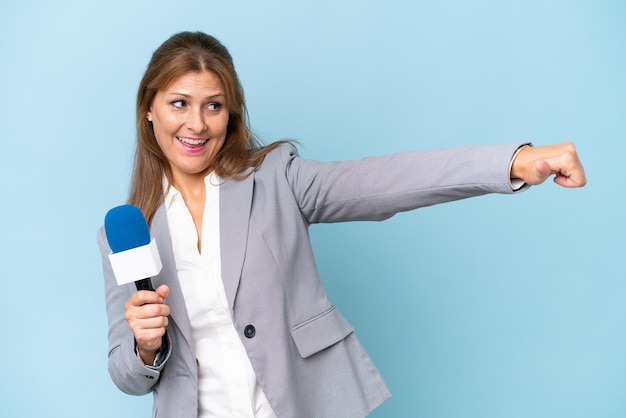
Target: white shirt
(227, 384)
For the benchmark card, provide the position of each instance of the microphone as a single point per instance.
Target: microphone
(135, 257)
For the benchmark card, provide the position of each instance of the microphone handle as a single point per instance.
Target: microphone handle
(144, 284)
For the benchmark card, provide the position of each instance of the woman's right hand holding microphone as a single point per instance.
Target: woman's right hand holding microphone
(147, 315)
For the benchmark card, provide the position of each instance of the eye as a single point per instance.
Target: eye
(214, 106)
(179, 104)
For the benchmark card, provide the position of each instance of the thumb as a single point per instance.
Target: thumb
(163, 291)
(542, 171)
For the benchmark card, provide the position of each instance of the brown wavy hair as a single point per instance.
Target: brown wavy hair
(182, 53)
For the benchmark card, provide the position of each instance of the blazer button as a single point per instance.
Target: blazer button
(249, 331)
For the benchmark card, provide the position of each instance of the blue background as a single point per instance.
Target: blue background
(500, 306)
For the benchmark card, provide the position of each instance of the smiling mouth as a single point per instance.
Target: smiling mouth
(191, 141)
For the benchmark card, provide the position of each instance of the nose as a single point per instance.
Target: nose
(195, 121)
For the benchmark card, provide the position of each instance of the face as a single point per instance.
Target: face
(190, 119)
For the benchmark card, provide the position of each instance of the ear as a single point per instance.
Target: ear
(149, 117)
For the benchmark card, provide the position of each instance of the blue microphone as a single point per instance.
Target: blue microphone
(134, 255)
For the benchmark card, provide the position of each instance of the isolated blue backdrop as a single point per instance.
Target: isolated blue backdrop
(500, 306)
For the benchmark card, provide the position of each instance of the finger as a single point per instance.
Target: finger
(147, 329)
(149, 310)
(570, 181)
(149, 323)
(142, 297)
(575, 178)
(151, 339)
(163, 291)
(569, 171)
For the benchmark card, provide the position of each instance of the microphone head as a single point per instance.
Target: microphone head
(126, 228)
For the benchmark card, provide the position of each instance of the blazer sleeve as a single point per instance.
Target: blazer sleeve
(376, 188)
(127, 371)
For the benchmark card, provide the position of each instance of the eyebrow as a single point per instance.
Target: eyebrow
(213, 96)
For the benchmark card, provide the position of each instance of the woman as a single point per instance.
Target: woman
(239, 324)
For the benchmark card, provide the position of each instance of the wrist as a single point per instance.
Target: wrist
(148, 357)
(514, 168)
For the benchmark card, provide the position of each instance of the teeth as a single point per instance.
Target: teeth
(190, 141)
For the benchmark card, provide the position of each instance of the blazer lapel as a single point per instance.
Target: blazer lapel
(235, 205)
(168, 275)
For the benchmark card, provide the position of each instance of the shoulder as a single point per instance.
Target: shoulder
(283, 151)
(281, 155)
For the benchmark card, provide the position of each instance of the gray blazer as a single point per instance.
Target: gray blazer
(305, 354)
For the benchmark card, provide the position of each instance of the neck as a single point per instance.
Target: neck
(189, 184)
(193, 190)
